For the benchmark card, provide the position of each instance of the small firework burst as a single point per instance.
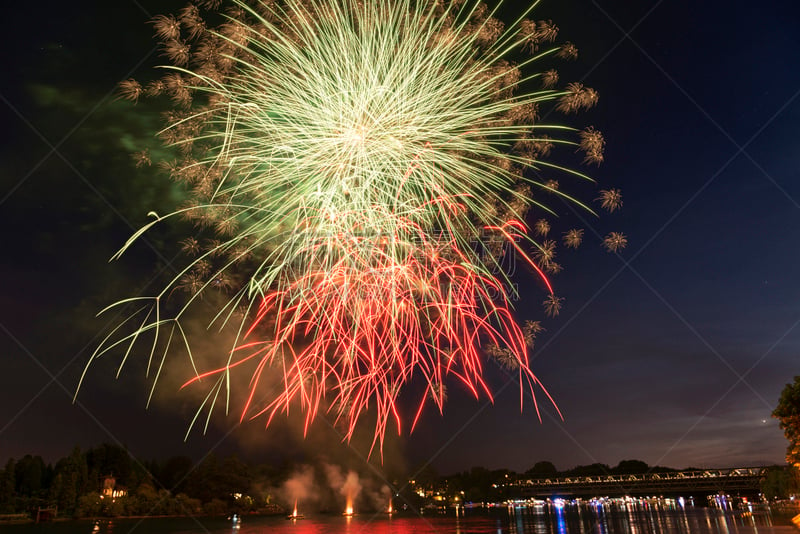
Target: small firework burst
(546, 31)
(552, 267)
(167, 27)
(530, 330)
(552, 305)
(545, 252)
(142, 158)
(610, 199)
(438, 394)
(573, 238)
(176, 51)
(130, 90)
(191, 246)
(192, 283)
(593, 144)
(542, 227)
(537, 33)
(615, 241)
(551, 185)
(568, 51)
(577, 98)
(550, 78)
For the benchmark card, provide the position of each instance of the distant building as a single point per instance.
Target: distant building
(110, 488)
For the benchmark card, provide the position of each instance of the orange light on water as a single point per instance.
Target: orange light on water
(348, 510)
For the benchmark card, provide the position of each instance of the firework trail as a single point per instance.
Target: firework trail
(359, 172)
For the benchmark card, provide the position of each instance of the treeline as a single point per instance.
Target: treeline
(483, 485)
(625, 467)
(107, 481)
(480, 484)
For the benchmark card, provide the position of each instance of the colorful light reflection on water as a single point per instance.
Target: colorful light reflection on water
(569, 519)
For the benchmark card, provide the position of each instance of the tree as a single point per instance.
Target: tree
(779, 482)
(202, 482)
(30, 475)
(7, 487)
(542, 469)
(70, 482)
(596, 469)
(631, 467)
(173, 474)
(89, 505)
(110, 459)
(788, 413)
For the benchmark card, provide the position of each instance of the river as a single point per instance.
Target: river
(568, 520)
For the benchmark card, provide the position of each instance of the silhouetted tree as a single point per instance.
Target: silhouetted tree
(590, 470)
(71, 480)
(214, 479)
(8, 487)
(779, 482)
(30, 475)
(477, 483)
(542, 469)
(631, 467)
(172, 475)
(109, 459)
(788, 413)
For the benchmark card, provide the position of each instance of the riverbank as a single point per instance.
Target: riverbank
(15, 519)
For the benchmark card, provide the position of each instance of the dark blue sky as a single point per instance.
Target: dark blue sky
(673, 353)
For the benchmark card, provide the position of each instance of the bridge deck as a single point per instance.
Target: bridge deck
(733, 480)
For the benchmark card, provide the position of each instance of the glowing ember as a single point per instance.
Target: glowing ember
(348, 510)
(295, 514)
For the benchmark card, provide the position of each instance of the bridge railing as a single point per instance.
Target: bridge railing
(700, 474)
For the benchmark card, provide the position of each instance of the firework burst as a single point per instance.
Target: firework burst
(348, 165)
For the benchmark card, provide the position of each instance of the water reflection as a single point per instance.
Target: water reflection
(588, 517)
(560, 520)
(638, 516)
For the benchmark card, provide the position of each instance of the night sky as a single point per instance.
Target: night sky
(673, 352)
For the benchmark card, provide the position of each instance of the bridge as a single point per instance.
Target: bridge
(737, 480)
